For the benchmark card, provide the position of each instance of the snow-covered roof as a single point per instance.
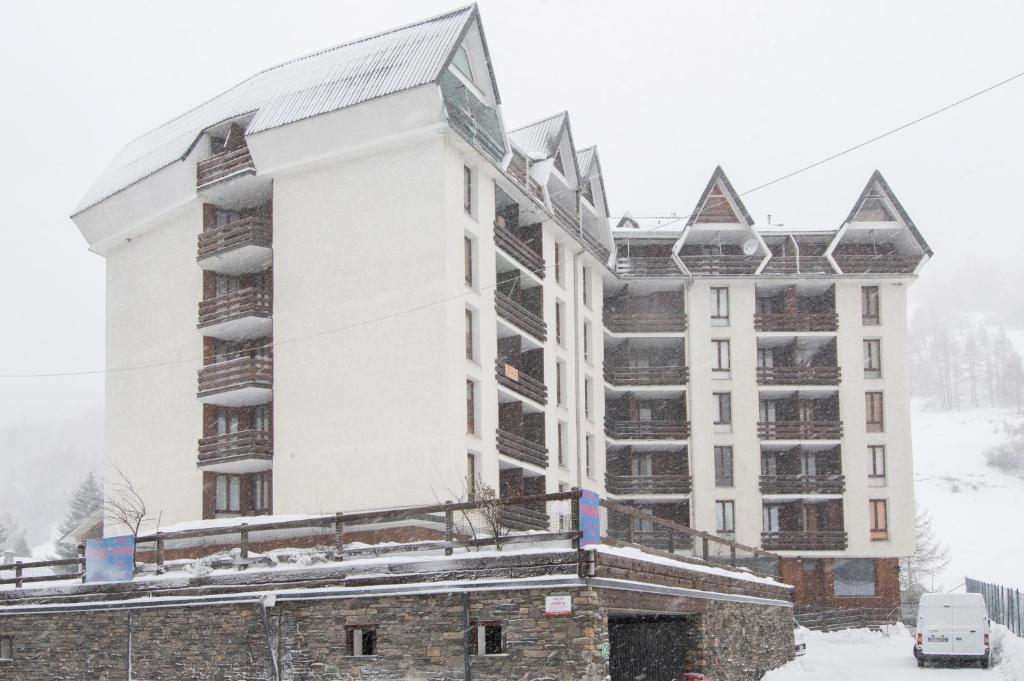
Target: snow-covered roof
(540, 139)
(584, 159)
(325, 81)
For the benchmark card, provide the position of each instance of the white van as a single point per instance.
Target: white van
(952, 628)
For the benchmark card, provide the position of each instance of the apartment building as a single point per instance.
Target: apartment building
(346, 284)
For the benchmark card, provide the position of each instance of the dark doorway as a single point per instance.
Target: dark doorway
(650, 647)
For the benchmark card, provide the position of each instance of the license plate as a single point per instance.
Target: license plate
(938, 638)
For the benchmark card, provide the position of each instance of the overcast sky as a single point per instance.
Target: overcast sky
(667, 90)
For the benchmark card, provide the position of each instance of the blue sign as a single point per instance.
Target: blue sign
(590, 517)
(110, 559)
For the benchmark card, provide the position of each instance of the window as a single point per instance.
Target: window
(471, 476)
(853, 577)
(765, 358)
(725, 517)
(642, 464)
(721, 362)
(227, 421)
(588, 394)
(224, 284)
(261, 418)
(6, 648)
(558, 262)
(470, 407)
(261, 493)
(876, 462)
(869, 306)
(875, 422)
(589, 458)
(223, 216)
(560, 383)
(879, 509)
(360, 641)
(461, 62)
(586, 286)
(587, 343)
(560, 323)
(723, 467)
(467, 190)
(485, 639)
(228, 497)
(470, 352)
(468, 260)
(723, 412)
(563, 444)
(719, 306)
(872, 358)
(559, 166)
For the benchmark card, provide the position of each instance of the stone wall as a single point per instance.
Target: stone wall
(742, 641)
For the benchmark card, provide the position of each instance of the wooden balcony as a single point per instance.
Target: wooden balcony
(523, 518)
(800, 430)
(646, 430)
(631, 267)
(793, 265)
(824, 540)
(237, 247)
(877, 264)
(523, 179)
(624, 321)
(224, 166)
(524, 384)
(512, 311)
(803, 484)
(798, 375)
(241, 314)
(521, 449)
(572, 223)
(639, 376)
(239, 382)
(647, 484)
(722, 265)
(235, 451)
(796, 321)
(506, 240)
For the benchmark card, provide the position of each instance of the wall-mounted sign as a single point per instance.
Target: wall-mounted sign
(110, 559)
(590, 517)
(557, 605)
(512, 373)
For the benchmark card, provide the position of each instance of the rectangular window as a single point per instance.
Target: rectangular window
(6, 648)
(587, 343)
(467, 189)
(879, 509)
(560, 323)
(586, 286)
(874, 413)
(560, 383)
(725, 517)
(588, 398)
(471, 476)
(360, 641)
(261, 418)
(853, 577)
(228, 498)
(563, 444)
(765, 358)
(261, 493)
(470, 352)
(589, 456)
(468, 260)
(558, 262)
(876, 462)
(723, 467)
(723, 412)
(869, 306)
(872, 358)
(721, 362)
(470, 407)
(485, 639)
(719, 306)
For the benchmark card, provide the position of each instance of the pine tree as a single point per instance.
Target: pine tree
(86, 501)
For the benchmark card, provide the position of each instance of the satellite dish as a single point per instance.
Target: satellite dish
(750, 247)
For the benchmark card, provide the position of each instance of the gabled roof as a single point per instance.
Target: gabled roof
(718, 178)
(325, 81)
(877, 183)
(587, 160)
(540, 140)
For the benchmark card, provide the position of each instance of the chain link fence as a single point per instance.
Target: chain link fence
(1005, 605)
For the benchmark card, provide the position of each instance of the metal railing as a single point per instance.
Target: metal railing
(463, 122)
(1005, 605)
(633, 266)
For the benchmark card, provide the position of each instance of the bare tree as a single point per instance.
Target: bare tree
(491, 512)
(123, 505)
(930, 558)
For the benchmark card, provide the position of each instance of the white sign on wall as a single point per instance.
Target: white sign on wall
(557, 605)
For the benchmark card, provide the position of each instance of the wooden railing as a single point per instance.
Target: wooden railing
(507, 241)
(629, 267)
(240, 372)
(803, 484)
(647, 484)
(524, 384)
(224, 165)
(572, 223)
(518, 447)
(876, 264)
(798, 375)
(524, 519)
(626, 376)
(245, 444)
(75, 569)
(800, 430)
(512, 311)
(246, 302)
(804, 264)
(250, 231)
(627, 321)
(647, 430)
(796, 321)
(822, 540)
(721, 264)
(464, 123)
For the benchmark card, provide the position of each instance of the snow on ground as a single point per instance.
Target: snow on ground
(974, 507)
(859, 654)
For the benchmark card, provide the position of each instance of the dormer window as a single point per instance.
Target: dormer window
(558, 163)
(461, 62)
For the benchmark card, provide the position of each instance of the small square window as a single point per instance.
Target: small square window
(360, 641)
(485, 639)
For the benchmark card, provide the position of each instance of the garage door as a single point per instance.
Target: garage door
(649, 647)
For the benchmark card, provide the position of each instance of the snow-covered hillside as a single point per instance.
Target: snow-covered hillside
(975, 509)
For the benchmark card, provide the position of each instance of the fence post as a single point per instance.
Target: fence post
(671, 540)
(449, 527)
(81, 560)
(17, 574)
(732, 555)
(339, 536)
(159, 552)
(243, 532)
(705, 551)
(575, 519)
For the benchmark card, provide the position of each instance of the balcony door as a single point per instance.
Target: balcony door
(227, 421)
(645, 411)
(224, 217)
(770, 464)
(643, 464)
(770, 518)
(809, 464)
(768, 408)
(806, 411)
(261, 419)
(226, 284)
(766, 358)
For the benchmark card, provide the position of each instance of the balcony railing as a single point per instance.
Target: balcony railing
(235, 374)
(250, 231)
(629, 267)
(246, 444)
(660, 538)
(524, 384)
(246, 302)
(647, 484)
(630, 376)
(803, 484)
(512, 311)
(804, 264)
(824, 540)
(464, 123)
(625, 321)
(507, 241)
(877, 264)
(518, 447)
(522, 178)
(223, 166)
(798, 375)
(725, 265)
(800, 430)
(796, 321)
(647, 430)
(572, 224)
(523, 518)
